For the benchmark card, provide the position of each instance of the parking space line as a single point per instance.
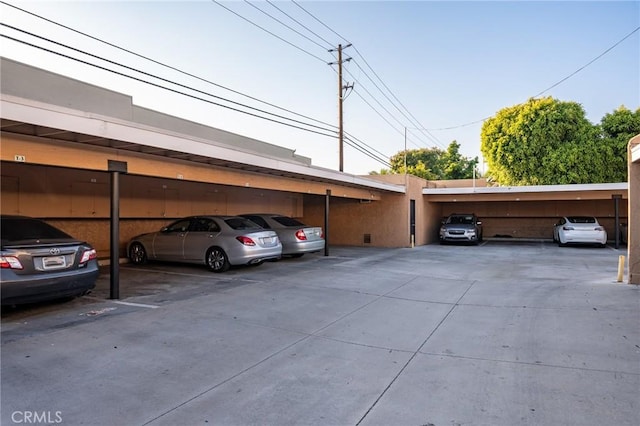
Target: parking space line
(139, 305)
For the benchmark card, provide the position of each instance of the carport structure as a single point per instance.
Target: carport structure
(59, 136)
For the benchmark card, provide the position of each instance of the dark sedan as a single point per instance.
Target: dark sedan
(39, 262)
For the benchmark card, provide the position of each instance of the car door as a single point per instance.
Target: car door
(168, 243)
(201, 236)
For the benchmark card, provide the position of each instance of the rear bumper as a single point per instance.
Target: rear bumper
(580, 238)
(248, 257)
(15, 290)
(303, 247)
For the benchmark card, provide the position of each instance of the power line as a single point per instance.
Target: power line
(351, 141)
(166, 65)
(282, 23)
(299, 23)
(161, 79)
(268, 32)
(556, 84)
(412, 120)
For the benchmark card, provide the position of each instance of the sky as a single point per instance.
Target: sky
(423, 73)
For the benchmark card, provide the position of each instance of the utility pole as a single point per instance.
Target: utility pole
(341, 91)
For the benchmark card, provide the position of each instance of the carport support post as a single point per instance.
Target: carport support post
(616, 203)
(326, 222)
(115, 168)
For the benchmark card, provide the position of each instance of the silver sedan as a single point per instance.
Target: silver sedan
(296, 237)
(215, 241)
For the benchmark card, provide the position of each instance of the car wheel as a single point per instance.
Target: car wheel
(137, 254)
(217, 260)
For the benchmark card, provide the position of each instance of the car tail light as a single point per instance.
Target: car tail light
(300, 235)
(10, 262)
(246, 240)
(322, 234)
(567, 228)
(88, 255)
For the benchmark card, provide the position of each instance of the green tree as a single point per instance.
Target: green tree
(545, 142)
(433, 163)
(616, 129)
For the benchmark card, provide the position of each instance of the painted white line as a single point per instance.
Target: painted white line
(139, 305)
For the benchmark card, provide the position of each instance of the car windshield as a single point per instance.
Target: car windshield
(240, 223)
(460, 220)
(581, 219)
(24, 229)
(287, 221)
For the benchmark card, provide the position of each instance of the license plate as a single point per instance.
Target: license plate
(268, 240)
(54, 262)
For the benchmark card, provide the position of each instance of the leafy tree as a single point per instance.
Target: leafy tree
(546, 141)
(433, 163)
(616, 129)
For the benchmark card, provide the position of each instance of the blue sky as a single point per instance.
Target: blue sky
(419, 64)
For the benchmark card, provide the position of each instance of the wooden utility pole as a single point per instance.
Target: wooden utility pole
(341, 91)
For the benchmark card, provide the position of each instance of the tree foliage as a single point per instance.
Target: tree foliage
(616, 129)
(433, 163)
(546, 141)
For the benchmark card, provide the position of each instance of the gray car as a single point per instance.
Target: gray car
(215, 241)
(461, 228)
(40, 262)
(296, 237)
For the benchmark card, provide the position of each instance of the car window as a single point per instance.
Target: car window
(204, 224)
(581, 219)
(458, 220)
(179, 226)
(20, 229)
(287, 221)
(260, 221)
(240, 223)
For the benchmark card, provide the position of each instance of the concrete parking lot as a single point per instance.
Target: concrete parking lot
(506, 333)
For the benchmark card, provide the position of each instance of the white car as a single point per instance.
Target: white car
(579, 230)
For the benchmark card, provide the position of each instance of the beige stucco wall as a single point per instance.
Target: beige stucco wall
(383, 223)
(634, 214)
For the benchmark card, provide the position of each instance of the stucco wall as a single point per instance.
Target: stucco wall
(634, 213)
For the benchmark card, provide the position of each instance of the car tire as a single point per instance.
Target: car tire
(137, 254)
(217, 260)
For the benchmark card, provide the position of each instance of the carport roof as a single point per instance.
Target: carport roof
(533, 192)
(39, 103)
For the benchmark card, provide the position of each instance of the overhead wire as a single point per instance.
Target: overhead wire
(267, 31)
(166, 65)
(273, 34)
(300, 23)
(285, 25)
(415, 123)
(555, 84)
(161, 79)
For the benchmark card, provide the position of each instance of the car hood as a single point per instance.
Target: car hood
(459, 226)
